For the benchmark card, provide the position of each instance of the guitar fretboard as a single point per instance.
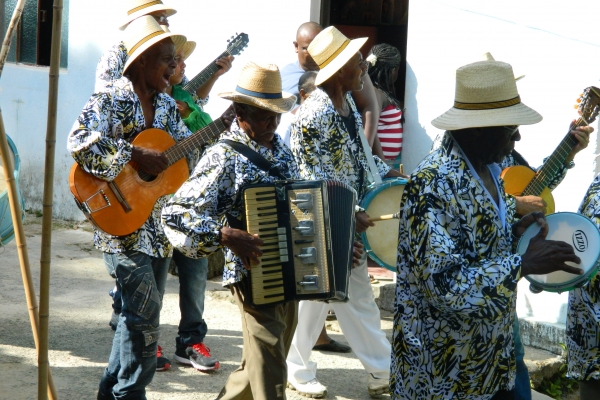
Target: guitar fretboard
(554, 163)
(187, 145)
(203, 75)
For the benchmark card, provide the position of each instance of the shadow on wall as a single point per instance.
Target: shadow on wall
(417, 143)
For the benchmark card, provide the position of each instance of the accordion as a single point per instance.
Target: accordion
(308, 232)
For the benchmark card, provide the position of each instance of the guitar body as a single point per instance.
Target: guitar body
(516, 180)
(101, 205)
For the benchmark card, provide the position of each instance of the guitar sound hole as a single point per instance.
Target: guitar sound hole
(146, 177)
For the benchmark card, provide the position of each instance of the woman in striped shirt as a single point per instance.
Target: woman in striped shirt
(384, 61)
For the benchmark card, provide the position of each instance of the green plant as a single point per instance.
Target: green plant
(559, 384)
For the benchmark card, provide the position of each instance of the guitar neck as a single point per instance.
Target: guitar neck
(554, 163)
(203, 76)
(197, 139)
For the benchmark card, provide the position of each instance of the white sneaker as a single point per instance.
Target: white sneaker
(312, 389)
(378, 386)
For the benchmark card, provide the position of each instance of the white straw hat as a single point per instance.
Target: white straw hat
(142, 33)
(260, 86)
(487, 56)
(136, 8)
(486, 95)
(188, 46)
(331, 50)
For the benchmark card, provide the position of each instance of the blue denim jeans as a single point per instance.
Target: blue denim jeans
(192, 285)
(522, 385)
(132, 363)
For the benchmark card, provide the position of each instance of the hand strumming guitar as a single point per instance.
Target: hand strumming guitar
(242, 244)
(149, 160)
(183, 108)
(529, 204)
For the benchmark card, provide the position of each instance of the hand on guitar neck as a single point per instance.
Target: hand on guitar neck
(149, 160)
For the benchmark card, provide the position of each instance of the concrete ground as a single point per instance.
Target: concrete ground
(80, 338)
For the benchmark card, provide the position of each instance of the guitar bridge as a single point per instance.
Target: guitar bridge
(98, 197)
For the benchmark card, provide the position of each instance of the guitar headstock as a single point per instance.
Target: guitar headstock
(589, 104)
(237, 44)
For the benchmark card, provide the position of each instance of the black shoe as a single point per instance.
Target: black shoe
(162, 362)
(333, 346)
(196, 355)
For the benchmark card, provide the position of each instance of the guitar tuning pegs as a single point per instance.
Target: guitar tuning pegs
(576, 106)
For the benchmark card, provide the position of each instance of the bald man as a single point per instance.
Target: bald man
(366, 99)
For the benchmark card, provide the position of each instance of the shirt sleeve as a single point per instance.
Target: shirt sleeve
(305, 140)
(195, 214)
(453, 277)
(92, 142)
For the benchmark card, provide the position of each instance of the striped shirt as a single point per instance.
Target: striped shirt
(389, 131)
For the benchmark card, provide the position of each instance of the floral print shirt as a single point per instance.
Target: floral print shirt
(100, 142)
(583, 315)
(457, 281)
(323, 148)
(196, 213)
(110, 68)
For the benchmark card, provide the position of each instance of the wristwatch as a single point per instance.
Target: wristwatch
(358, 209)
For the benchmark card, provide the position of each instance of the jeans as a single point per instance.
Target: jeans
(141, 280)
(522, 385)
(192, 285)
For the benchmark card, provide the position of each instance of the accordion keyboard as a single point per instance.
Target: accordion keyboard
(295, 251)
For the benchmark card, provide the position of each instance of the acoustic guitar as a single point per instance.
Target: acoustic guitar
(523, 181)
(235, 47)
(121, 206)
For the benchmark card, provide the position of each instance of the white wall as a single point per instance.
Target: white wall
(270, 24)
(554, 43)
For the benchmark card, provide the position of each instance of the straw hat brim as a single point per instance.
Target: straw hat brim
(188, 48)
(144, 11)
(455, 119)
(174, 37)
(283, 105)
(340, 60)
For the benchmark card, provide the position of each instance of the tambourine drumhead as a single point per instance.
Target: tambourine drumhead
(381, 240)
(579, 232)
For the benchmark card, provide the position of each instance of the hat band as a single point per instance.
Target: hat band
(152, 3)
(258, 94)
(487, 106)
(335, 54)
(144, 40)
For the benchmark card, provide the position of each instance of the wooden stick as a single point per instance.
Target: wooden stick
(385, 217)
(46, 254)
(14, 21)
(16, 212)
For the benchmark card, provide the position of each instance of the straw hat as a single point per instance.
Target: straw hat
(260, 86)
(487, 56)
(188, 46)
(486, 95)
(331, 50)
(137, 8)
(142, 33)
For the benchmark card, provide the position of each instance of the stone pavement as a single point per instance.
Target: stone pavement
(80, 338)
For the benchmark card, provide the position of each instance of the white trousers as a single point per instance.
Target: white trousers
(360, 321)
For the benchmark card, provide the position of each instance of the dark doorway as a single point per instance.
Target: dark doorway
(383, 21)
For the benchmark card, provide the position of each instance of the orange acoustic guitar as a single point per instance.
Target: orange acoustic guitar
(121, 206)
(523, 181)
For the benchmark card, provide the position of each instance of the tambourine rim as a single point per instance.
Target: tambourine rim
(571, 284)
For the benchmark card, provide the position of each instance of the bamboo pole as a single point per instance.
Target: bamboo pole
(15, 207)
(46, 252)
(14, 21)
